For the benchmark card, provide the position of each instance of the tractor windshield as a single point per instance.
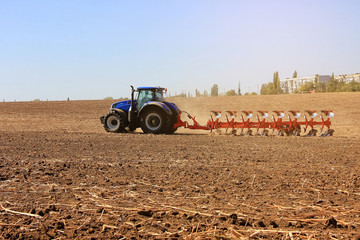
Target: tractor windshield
(149, 95)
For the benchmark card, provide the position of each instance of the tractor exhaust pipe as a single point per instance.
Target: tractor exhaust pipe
(131, 110)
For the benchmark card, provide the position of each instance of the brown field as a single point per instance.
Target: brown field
(62, 176)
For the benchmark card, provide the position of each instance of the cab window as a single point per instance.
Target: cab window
(144, 97)
(159, 95)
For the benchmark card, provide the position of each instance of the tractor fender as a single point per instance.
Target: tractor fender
(160, 105)
(122, 113)
(118, 110)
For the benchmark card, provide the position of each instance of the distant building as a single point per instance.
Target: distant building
(324, 79)
(290, 85)
(348, 78)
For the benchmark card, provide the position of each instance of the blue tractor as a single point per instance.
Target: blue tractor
(146, 109)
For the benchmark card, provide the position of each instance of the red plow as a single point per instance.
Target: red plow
(264, 121)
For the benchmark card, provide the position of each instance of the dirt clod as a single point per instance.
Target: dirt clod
(146, 213)
(261, 224)
(331, 222)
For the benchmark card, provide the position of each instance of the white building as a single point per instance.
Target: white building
(348, 78)
(290, 85)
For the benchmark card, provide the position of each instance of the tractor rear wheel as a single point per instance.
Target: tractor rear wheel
(115, 122)
(153, 121)
(170, 125)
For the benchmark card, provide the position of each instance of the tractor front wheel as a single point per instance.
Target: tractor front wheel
(153, 121)
(114, 122)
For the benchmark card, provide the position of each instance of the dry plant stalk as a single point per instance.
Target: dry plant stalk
(21, 213)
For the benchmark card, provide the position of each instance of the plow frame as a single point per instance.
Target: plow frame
(291, 126)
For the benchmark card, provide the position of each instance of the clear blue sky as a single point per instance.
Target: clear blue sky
(87, 49)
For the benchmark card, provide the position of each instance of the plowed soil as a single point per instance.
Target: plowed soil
(63, 177)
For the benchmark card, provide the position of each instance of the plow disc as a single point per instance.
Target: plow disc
(279, 122)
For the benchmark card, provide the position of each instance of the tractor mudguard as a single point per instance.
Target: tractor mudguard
(160, 105)
(118, 110)
(122, 113)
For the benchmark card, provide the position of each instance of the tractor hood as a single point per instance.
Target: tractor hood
(123, 105)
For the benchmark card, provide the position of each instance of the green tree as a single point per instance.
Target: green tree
(331, 84)
(351, 87)
(322, 87)
(239, 90)
(278, 89)
(231, 92)
(206, 93)
(316, 82)
(267, 89)
(215, 90)
(340, 85)
(263, 89)
(272, 87)
(276, 83)
(197, 93)
(307, 87)
(275, 78)
(295, 74)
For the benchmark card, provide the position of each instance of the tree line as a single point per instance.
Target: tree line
(214, 92)
(274, 87)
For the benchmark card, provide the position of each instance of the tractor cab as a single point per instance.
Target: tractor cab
(148, 94)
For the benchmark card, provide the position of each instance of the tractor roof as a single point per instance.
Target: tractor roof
(150, 88)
